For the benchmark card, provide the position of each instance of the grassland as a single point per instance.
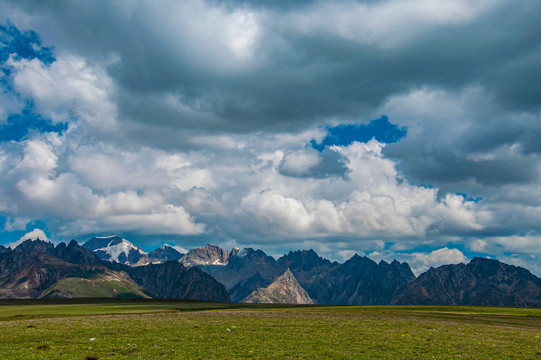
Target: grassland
(143, 329)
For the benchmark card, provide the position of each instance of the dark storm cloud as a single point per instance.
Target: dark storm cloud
(297, 77)
(447, 168)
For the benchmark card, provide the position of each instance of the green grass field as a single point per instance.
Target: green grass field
(129, 329)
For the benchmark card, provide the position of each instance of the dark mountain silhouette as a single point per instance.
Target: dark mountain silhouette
(4, 249)
(171, 280)
(165, 253)
(359, 281)
(481, 282)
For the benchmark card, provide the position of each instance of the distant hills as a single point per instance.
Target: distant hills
(114, 267)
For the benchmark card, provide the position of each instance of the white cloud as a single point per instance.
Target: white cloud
(66, 88)
(167, 219)
(526, 244)
(180, 249)
(200, 178)
(346, 254)
(39, 157)
(299, 162)
(422, 261)
(373, 201)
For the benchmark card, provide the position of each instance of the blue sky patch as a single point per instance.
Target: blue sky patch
(7, 237)
(18, 126)
(345, 134)
(469, 198)
(23, 44)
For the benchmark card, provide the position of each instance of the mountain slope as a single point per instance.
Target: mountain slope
(4, 249)
(115, 248)
(171, 280)
(481, 282)
(246, 272)
(362, 281)
(34, 266)
(107, 283)
(284, 290)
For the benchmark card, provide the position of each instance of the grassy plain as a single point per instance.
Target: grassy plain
(143, 329)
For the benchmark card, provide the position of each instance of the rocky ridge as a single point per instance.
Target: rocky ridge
(208, 255)
(480, 282)
(165, 253)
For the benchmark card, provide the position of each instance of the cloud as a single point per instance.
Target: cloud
(422, 261)
(371, 201)
(204, 120)
(66, 88)
(464, 141)
(281, 68)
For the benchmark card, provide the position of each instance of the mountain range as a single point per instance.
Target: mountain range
(114, 267)
(117, 249)
(36, 269)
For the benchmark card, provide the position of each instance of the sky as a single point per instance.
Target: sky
(393, 129)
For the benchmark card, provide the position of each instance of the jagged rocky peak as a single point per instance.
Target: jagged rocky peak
(284, 290)
(115, 248)
(303, 260)
(481, 282)
(75, 253)
(171, 280)
(208, 255)
(165, 253)
(234, 252)
(248, 254)
(35, 245)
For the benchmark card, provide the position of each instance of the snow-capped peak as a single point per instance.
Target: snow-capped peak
(123, 252)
